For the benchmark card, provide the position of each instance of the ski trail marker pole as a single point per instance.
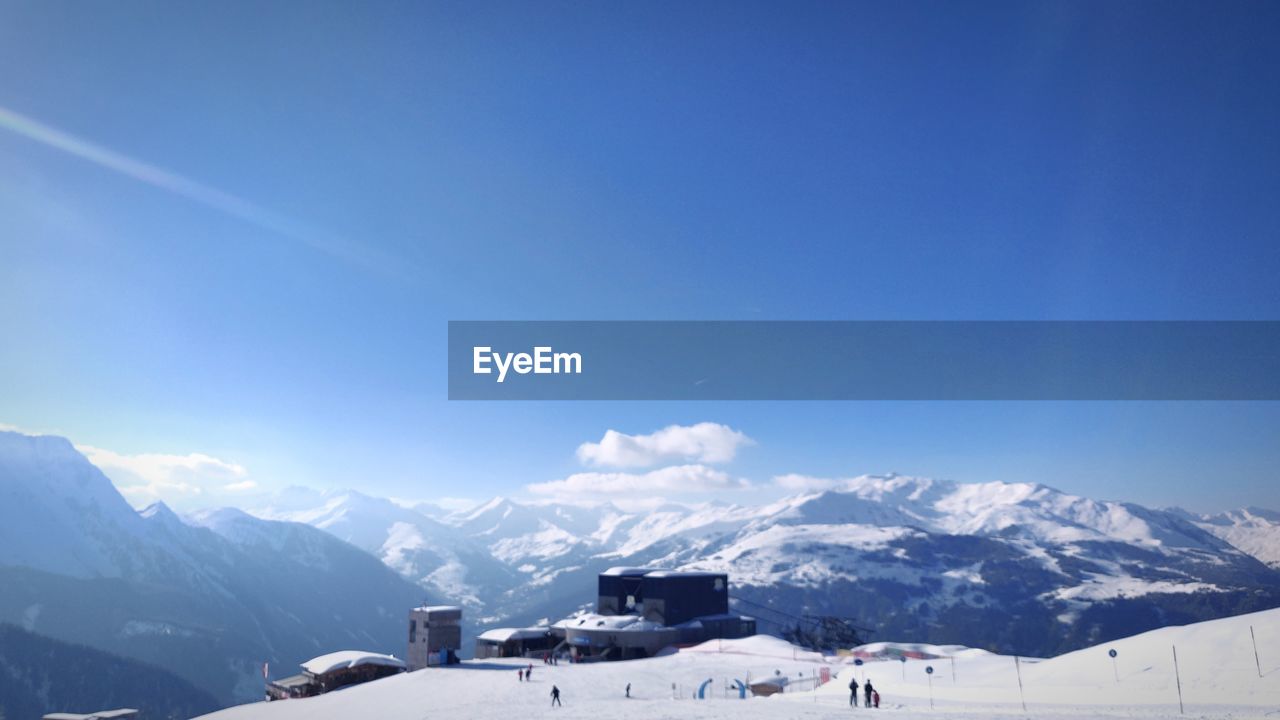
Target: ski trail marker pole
(1256, 663)
(1177, 676)
(1017, 667)
(928, 671)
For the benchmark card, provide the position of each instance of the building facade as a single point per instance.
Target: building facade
(435, 636)
(642, 610)
(515, 642)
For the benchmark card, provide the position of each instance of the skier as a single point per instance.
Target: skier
(528, 673)
(520, 674)
(853, 692)
(876, 697)
(866, 696)
(628, 689)
(555, 696)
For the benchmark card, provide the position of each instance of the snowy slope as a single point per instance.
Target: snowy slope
(1215, 662)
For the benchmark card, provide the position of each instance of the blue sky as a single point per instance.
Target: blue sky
(398, 165)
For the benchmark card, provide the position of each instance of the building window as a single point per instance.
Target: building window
(413, 631)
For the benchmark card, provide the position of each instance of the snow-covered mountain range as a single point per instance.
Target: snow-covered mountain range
(1010, 567)
(1030, 568)
(1253, 530)
(209, 603)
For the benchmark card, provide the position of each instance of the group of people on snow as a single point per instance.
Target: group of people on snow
(525, 674)
(871, 698)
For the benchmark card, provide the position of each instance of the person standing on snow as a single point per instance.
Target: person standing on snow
(628, 689)
(853, 692)
(555, 696)
(867, 690)
(876, 697)
(520, 674)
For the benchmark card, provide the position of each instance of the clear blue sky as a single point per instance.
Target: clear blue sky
(411, 163)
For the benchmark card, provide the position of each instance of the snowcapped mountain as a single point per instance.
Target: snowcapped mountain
(448, 564)
(61, 514)
(1030, 568)
(1012, 567)
(1253, 530)
(209, 600)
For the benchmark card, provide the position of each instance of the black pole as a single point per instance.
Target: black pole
(1017, 666)
(1256, 662)
(1178, 677)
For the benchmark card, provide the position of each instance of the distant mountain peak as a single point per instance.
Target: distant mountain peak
(159, 511)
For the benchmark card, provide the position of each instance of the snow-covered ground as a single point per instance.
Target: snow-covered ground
(1216, 662)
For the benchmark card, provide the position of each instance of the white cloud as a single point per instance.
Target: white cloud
(674, 479)
(148, 477)
(804, 483)
(7, 427)
(706, 442)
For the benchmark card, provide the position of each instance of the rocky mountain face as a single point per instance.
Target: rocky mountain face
(208, 603)
(33, 681)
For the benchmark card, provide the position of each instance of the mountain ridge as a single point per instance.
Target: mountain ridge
(78, 564)
(944, 552)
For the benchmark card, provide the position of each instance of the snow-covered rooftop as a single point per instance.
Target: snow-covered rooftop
(100, 715)
(591, 621)
(623, 571)
(626, 571)
(682, 573)
(348, 658)
(506, 634)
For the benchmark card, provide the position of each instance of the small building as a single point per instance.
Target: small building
(119, 714)
(333, 671)
(642, 610)
(515, 642)
(435, 636)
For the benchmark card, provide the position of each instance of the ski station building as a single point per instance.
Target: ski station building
(516, 642)
(435, 636)
(639, 611)
(333, 671)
